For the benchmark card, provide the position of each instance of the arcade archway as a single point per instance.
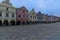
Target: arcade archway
(23, 22)
(0, 22)
(18, 22)
(6, 22)
(12, 22)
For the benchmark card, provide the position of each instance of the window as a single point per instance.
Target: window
(7, 9)
(7, 14)
(35, 17)
(23, 11)
(30, 16)
(12, 15)
(19, 16)
(0, 13)
(33, 13)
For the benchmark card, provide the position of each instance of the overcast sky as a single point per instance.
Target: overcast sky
(46, 6)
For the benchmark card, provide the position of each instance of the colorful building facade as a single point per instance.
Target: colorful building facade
(39, 17)
(56, 19)
(33, 16)
(51, 18)
(22, 15)
(7, 13)
(47, 18)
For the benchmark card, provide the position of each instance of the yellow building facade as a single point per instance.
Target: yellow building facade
(32, 16)
(7, 12)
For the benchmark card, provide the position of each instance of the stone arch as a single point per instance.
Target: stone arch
(6, 22)
(31, 22)
(18, 22)
(23, 22)
(35, 22)
(0, 22)
(12, 22)
(27, 22)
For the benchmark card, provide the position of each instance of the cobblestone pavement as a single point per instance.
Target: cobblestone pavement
(31, 32)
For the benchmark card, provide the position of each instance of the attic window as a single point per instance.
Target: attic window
(23, 11)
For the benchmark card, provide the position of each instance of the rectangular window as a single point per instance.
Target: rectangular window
(12, 15)
(30, 16)
(0, 13)
(7, 9)
(19, 16)
(7, 14)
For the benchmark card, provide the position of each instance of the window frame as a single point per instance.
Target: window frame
(7, 8)
(12, 15)
(7, 14)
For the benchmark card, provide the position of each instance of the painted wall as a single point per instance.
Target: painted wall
(51, 18)
(32, 15)
(23, 13)
(44, 17)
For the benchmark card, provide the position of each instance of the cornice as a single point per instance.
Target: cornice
(8, 11)
(8, 6)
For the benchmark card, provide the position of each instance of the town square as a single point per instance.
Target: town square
(20, 23)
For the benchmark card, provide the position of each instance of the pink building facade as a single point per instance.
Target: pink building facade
(22, 15)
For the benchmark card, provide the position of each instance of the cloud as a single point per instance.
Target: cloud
(41, 4)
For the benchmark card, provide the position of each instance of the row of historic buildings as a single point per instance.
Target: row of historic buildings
(11, 15)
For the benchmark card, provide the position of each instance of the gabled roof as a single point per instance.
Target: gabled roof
(23, 7)
(39, 12)
(33, 10)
